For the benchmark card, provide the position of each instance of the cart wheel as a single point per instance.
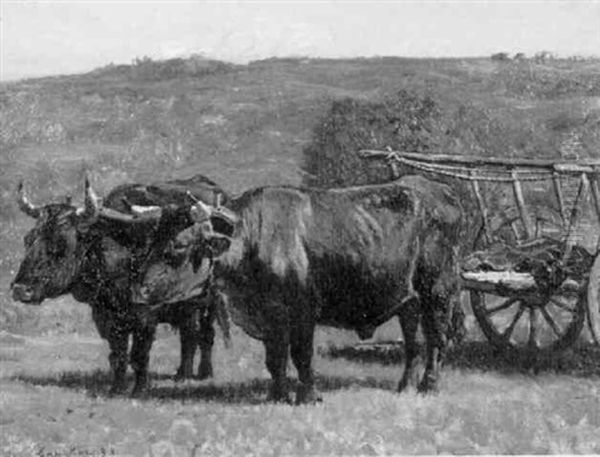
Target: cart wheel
(593, 303)
(542, 325)
(524, 322)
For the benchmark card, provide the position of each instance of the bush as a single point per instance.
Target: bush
(404, 122)
(502, 56)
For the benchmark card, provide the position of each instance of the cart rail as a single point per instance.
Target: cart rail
(541, 166)
(513, 171)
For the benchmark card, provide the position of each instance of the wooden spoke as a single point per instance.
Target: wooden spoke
(562, 304)
(515, 230)
(505, 305)
(550, 321)
(532, 343)
(509, 330)
(500, 314)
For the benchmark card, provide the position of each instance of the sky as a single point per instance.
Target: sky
(49, 37)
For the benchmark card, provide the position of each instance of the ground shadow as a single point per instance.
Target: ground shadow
(97, 384)
(581, 360)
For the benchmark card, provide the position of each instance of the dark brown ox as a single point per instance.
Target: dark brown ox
(350, 258)
(95, 252)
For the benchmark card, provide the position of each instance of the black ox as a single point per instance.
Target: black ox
(95, 252)
(288, 259)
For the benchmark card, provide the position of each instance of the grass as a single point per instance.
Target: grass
(54, 399)
(245, 126)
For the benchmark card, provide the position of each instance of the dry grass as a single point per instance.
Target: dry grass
(246, 126)
(54, 399)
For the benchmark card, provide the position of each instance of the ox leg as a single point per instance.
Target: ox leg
(301, 349)
(140, 357)
(409, 321)
(118, 342)
(276, 350)
(436, 315)
(188, 342)
(206, 339)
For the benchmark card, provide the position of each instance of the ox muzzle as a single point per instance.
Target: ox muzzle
(25, 293)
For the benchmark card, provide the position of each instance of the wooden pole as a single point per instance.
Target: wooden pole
(596, 195)
(518, 191)
(584, 187)
(482, 208)
(560, 198)
(582, 166)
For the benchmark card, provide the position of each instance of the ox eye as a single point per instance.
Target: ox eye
(28, 239)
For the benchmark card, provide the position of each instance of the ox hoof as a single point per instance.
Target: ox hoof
(403, 385)
(307, 395)
(117, 390)
(204, 372)
(139, 392)
(408, 381)
(428, 385)
(183, 375)
(279, 397)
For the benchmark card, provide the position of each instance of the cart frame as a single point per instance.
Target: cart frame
(514, 172)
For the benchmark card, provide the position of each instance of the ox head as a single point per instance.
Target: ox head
(179, 269)
(54, 248)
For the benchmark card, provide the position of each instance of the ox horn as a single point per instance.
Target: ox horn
(25, 205)
(200, 211)
(91, 208)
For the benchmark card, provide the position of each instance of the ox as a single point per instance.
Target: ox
(288, 259)
(94, 252)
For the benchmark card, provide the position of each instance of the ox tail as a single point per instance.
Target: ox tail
(222, 316)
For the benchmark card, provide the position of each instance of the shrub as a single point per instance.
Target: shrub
(402, 122)
(502, 56)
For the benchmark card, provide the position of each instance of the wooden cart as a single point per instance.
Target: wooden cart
(520, 308)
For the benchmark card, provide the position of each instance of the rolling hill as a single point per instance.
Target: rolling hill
(247, 125)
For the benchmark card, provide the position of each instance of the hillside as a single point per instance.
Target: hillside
(246, 125)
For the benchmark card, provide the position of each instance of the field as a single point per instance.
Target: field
(245, 126)
(54, 399)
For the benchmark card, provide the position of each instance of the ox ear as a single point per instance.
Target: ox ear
(218, 244)
(25, 205)
(222, 225)
(200, 211)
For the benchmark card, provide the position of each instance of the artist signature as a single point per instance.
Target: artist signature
(75, 451)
